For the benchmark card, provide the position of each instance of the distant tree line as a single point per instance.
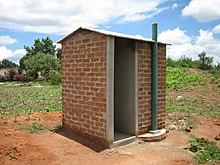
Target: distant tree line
(42, 61)
(5, 63)
(204, 62)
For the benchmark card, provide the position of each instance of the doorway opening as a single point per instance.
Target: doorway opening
(124, 89)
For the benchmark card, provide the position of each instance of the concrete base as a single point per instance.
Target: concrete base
(153, 136)
(123, 141)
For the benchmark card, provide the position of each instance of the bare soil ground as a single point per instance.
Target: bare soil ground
(18, 146)
(43, 146)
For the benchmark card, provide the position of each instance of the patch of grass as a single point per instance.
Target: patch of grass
(210, 105)
(194, 100)
(180, 124)
(192, 106)
(25, 99)
(28, 118)
(178, 78)
(43, 83)
(14, 154)
(34, 128)
(15, 117)
(180, 106)
(205, 151)
(209, 113)
(57, 128)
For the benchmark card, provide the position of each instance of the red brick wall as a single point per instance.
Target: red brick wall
(84, 83)
(161, 85)
(144, 86)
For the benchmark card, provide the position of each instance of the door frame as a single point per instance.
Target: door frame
(110, 89)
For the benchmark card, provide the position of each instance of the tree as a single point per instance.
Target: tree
(5, 63)
(43, 64)
(58, 53)
(43, 46)
(22, 62)
(205, 62)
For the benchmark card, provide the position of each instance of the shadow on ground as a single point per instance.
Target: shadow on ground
(95, 146)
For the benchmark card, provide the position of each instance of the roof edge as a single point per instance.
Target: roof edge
(113, 34)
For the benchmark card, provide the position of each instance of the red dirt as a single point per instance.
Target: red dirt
(18, 146)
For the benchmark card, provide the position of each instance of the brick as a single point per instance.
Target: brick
(144, 82)
(84, 80)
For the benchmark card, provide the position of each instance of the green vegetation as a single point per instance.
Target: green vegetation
(205, 151)
(38, 127)
(182, 62)
(24, 98)
(193, 88)
(190, 106)
(204, 62)
(54, 77)
(40, 59)
(13, 153)
(5, 63)
(197, 88)
(57, 128)
(34, 128)
(178, 78)
(182, 82)
(43, 46)
(43, 64)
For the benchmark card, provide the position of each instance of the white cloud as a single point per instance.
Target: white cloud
(175, 36)
(203, 11)
(57, 45)
(174, 6)
(6, 53)
(190, 47)
(216, 29)
(60, 17)
(142, 16)
(5, 40)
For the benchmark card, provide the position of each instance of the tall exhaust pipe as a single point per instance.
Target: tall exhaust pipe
(154, 134)
(154, 79)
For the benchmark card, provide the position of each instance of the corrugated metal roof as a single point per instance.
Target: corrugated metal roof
(114, 34)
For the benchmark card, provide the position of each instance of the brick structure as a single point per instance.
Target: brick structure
(144, 86)
(89, 80)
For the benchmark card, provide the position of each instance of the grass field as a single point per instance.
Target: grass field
(25, 98)
(198, 93)
(192, 92)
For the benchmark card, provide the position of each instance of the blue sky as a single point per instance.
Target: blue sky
(191, 26)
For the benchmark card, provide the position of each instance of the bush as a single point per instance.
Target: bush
(20, 77)
(215, 71)
(205, 151)
(182, 62)
(54, 77)
(9, 75)
(41, 64)
(12, 73)
(179, 78)
(31, 75)
(2, 78)
(21, 71)
(205, 62)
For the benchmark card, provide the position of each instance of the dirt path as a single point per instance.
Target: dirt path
(17, 146)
